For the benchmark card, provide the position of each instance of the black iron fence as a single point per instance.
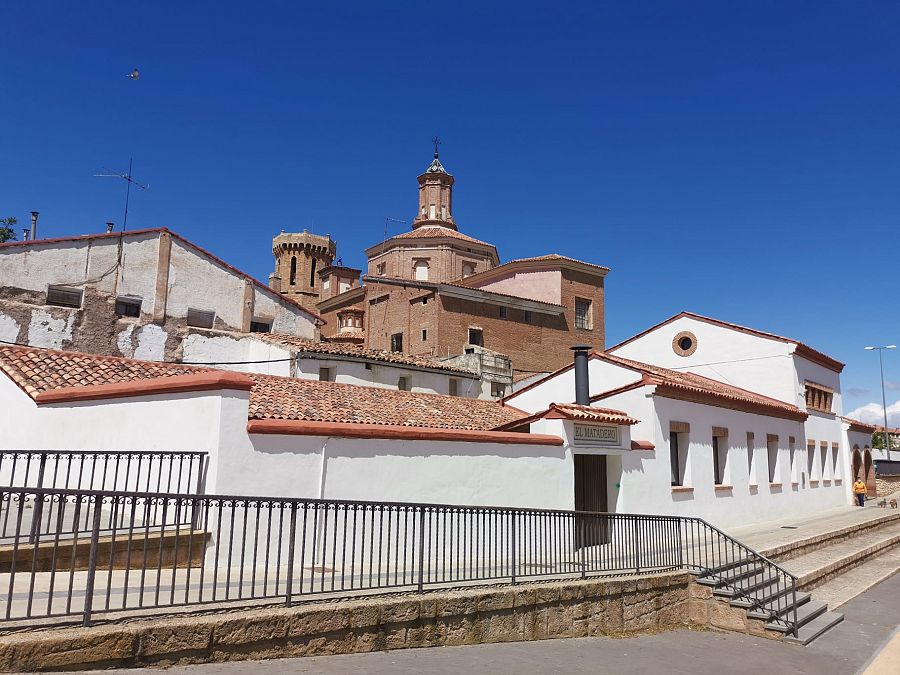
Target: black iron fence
(148, 471)
(106, 551)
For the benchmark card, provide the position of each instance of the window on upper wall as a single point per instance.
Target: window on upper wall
(420, 270)
(583, 319)
(720, 457)
(312, 273)
(260, 326)
(431, 212)
(476, 337)
(751, 458)
(810, 458)
(772, 457)
(404, 383)
(498, 390)
(454, 387)
(818, 397)
(63, 296)
(326, 374)
(293, 279)
(200, 318)
(424, 334)
(468, 269)
(527, 316)
(502, 312)
(397, 342)
(128, 306)
(677, 457)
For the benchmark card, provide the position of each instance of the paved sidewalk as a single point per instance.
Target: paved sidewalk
(871, 621)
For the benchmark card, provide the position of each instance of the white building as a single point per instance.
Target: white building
(291, 356)
(741, 421)
(134, 293)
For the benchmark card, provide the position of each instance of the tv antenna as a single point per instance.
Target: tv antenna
(129, 180)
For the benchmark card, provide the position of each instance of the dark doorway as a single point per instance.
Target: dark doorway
(590, 495)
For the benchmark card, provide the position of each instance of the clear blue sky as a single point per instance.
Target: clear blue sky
(735, 159)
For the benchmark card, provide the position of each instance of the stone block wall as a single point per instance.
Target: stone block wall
(887, 485)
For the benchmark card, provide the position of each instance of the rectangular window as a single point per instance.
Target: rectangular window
(772, 457)
(823, 450)
(397, 342)
(476, 337)
(527, 316)
(502, 312)
(818, 397)
(404, 384)
(380, 269)
(498, 390)
(454, 387)
(424, 334)
(793, 459)
(63, 296)
(199, 318)
(676, 459)
(835, 471)
(326, 374)
(128, 306)
(751, 458)
(257, 326)
(720, 457)
(810, 458)
(583, 314)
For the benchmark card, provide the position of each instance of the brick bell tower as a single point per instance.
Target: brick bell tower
(299, 257)
(435, 195)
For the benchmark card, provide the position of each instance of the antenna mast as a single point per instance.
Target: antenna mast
(129, 179)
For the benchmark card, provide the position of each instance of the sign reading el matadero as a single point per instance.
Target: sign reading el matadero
(596, 435)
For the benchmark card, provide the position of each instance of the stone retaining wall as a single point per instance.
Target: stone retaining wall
(577, 608)
(887, 485)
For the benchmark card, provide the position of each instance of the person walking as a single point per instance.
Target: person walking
(859, 489)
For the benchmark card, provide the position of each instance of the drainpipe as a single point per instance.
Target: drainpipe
(582, 383)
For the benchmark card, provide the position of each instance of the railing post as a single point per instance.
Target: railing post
(637, 550)
(513, 559)
(290, 565)
(794, 628)
(583, 545)
(421, 548)
(92, 561)
(38, 503)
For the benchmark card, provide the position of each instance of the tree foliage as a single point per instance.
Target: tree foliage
(7, 233)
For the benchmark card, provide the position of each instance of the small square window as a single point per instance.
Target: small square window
(62, 296)
(326, 374)
(128, 306)
(425, 300)
(503, 312)
(260, 326)
(527, 317)
(199, 318)
(454, 387)
(397, 342)
(498, 390)
(380, 269)
(404, 384)
(476, 337)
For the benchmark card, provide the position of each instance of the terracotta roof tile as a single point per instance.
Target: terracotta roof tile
(272, 397)
(342, 349)
(437, 231)
(688, 383)
(573, 411)
(554, 257)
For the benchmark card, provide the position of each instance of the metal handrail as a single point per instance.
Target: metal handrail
(226, 548)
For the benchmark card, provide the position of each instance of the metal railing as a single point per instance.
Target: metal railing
(140, 471)
(155, 551)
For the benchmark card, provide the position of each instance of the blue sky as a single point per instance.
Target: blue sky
(736, 159)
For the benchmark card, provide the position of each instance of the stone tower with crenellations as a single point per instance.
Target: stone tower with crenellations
(299, 257)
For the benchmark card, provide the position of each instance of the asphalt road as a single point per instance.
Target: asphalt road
(870, 621)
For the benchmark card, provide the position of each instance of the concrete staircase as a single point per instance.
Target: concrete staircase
(837, 563)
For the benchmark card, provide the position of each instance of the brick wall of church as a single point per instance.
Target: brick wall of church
(394, 309)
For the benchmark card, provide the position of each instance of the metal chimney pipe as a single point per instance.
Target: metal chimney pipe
(582, 380)
(110, 226)
(34, 217)
(25, 231)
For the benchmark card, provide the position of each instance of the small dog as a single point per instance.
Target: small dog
(882, 503)
(893, 503)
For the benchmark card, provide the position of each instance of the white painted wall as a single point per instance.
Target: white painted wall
(723, 354)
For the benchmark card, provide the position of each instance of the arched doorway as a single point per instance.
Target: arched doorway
(857, 462)
(869, 475)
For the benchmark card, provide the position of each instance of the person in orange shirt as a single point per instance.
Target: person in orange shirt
(859, 489)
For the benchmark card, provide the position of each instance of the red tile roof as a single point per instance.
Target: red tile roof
(186, 242)
(573, 411)
(690, 386)
(271, 397)
(857, 425)
(430, 231)
(802, 350)
(342, 349)
(554, 257)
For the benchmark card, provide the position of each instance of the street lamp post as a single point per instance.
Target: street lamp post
(887, 436)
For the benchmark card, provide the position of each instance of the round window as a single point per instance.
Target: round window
(685, 343)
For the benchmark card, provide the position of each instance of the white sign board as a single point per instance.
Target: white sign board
(596, 435)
